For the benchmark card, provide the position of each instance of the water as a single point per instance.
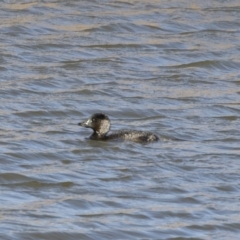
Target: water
(170, 67)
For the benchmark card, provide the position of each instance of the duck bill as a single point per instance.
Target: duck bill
(84, 124)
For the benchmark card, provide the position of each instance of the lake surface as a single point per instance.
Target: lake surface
(169, 67)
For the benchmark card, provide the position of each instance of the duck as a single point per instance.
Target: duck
(101, 124)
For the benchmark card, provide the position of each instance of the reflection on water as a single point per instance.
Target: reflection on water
(165, 67)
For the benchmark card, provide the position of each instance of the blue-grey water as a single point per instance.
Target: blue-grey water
(169, 67)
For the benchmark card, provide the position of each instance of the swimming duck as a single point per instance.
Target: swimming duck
(100, 123)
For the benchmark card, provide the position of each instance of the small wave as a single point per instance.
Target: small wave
(19, 180)
(210, 64)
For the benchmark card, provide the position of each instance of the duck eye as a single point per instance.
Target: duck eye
(93, 119)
